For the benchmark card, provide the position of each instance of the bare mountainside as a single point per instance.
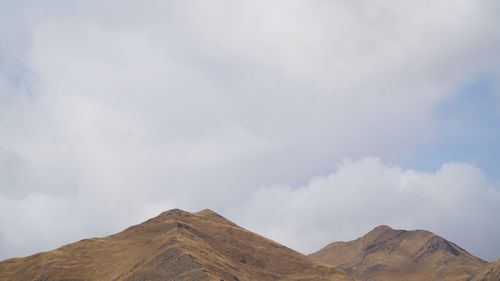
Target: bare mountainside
(490, 272)
(176, 245)
(388, 254)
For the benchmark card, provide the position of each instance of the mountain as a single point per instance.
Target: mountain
(176, 245)
(388, 254)
(490, 272)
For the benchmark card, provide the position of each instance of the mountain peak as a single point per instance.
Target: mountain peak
(174, 212)
(380, 229)
(206, 212)
(388, 254)
(175, 245)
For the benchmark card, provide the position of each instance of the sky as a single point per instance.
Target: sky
(304, 121)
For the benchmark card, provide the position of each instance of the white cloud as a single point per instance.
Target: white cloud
(456, 201)
(123, 107)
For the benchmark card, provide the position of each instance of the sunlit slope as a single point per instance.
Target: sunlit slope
(388, 254)
(176, 245)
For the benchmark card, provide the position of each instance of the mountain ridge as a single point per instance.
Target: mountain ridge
(388, 254)
(175, 245)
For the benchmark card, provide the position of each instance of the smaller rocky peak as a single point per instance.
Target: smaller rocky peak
(382, 228)
(175, 212)
(206, 212)
(166, 217)
(210, 215)
(377, 232)
(437, 243)
(434, 245)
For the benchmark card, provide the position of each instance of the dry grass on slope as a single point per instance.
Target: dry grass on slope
(388, 254)
(176, 245)
(491, 272)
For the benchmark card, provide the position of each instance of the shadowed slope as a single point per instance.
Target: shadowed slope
(490, 272)
(388, 254)
(176, 245)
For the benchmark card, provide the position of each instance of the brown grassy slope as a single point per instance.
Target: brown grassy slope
(388, 254)
(491, 272)
(176, 245)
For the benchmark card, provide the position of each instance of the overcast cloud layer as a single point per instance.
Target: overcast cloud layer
(113, 112)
